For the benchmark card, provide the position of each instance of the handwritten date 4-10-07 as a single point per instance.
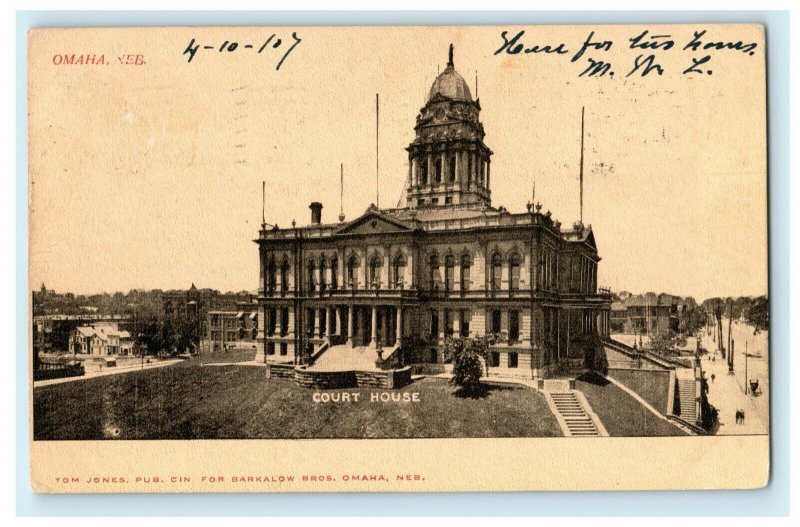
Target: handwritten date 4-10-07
(273, 42)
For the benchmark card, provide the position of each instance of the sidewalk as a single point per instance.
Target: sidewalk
(727, 392)
(108, 371)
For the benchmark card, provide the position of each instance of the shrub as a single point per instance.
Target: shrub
(467, 356)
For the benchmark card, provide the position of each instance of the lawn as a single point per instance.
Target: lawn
(227, 356)
(237, 402)
(621, 414)
(650, 385)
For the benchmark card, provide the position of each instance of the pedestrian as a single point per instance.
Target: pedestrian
(713, 376)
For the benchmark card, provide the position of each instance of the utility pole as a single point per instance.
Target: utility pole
(745, 368)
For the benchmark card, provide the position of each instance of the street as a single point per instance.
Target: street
(108, 371)
(727, 391)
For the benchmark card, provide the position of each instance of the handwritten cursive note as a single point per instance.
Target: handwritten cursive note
(591, 56)
(270, 44)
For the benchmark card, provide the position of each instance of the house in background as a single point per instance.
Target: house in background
(101, 339)
(232, 329)
(647, 314)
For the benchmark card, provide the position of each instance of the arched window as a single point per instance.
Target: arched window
(312, 276)
(422, 170)
(497, 272)
(399, 270)
(514, 266)
(352, 272)
(285, 276)
(466, 263)
(334, 273)
(375, 265)
(439, 163)
(271, 275)
(449, 272)
(452, 171)
(434, 272)
(323, 271)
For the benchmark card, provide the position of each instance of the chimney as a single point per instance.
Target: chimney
(316, 212)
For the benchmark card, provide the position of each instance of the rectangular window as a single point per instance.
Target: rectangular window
(284, 348)
(513, 326)
(513, 360)
(284, 321)
(465, 316)
(434, 324)
(497, 277)
(273, 315)
(465, 279)
(515, 276)
(496, 322)
(448, 323)
(448, 200)
(270, 348)
(494, 359)
(449, 274)
(310, 322)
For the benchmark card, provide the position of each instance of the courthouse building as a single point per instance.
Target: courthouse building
(447, 263)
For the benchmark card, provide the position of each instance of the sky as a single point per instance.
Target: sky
(150, 176)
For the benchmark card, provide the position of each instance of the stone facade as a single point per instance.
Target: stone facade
(447, 264)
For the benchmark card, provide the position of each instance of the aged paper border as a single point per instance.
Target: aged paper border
(661, 469)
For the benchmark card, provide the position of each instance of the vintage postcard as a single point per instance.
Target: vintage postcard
(284, 259)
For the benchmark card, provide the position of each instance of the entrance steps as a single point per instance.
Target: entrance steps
(346, 358)
(573, 413)
(687, 399)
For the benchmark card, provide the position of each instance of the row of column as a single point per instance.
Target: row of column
(476, 170)
(333, 324)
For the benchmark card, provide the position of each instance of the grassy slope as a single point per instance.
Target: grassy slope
(651, 386)
(188, 401)
(621, 414)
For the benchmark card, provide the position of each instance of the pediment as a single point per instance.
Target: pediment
(374, 223)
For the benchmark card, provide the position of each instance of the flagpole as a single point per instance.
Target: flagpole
(581, 175)
(377, 161)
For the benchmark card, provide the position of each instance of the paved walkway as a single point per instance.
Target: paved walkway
(242, 363)
(727, 392)
(108, 371)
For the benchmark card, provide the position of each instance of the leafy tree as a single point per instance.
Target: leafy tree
(466, 356)
(663, 342)
(691, 320)
(757, 315)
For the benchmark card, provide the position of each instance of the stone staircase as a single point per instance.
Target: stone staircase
(687, 400)
(578, 422)
(346, 358)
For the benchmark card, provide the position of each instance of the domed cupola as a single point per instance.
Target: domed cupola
(450, 84)
(448, 160)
